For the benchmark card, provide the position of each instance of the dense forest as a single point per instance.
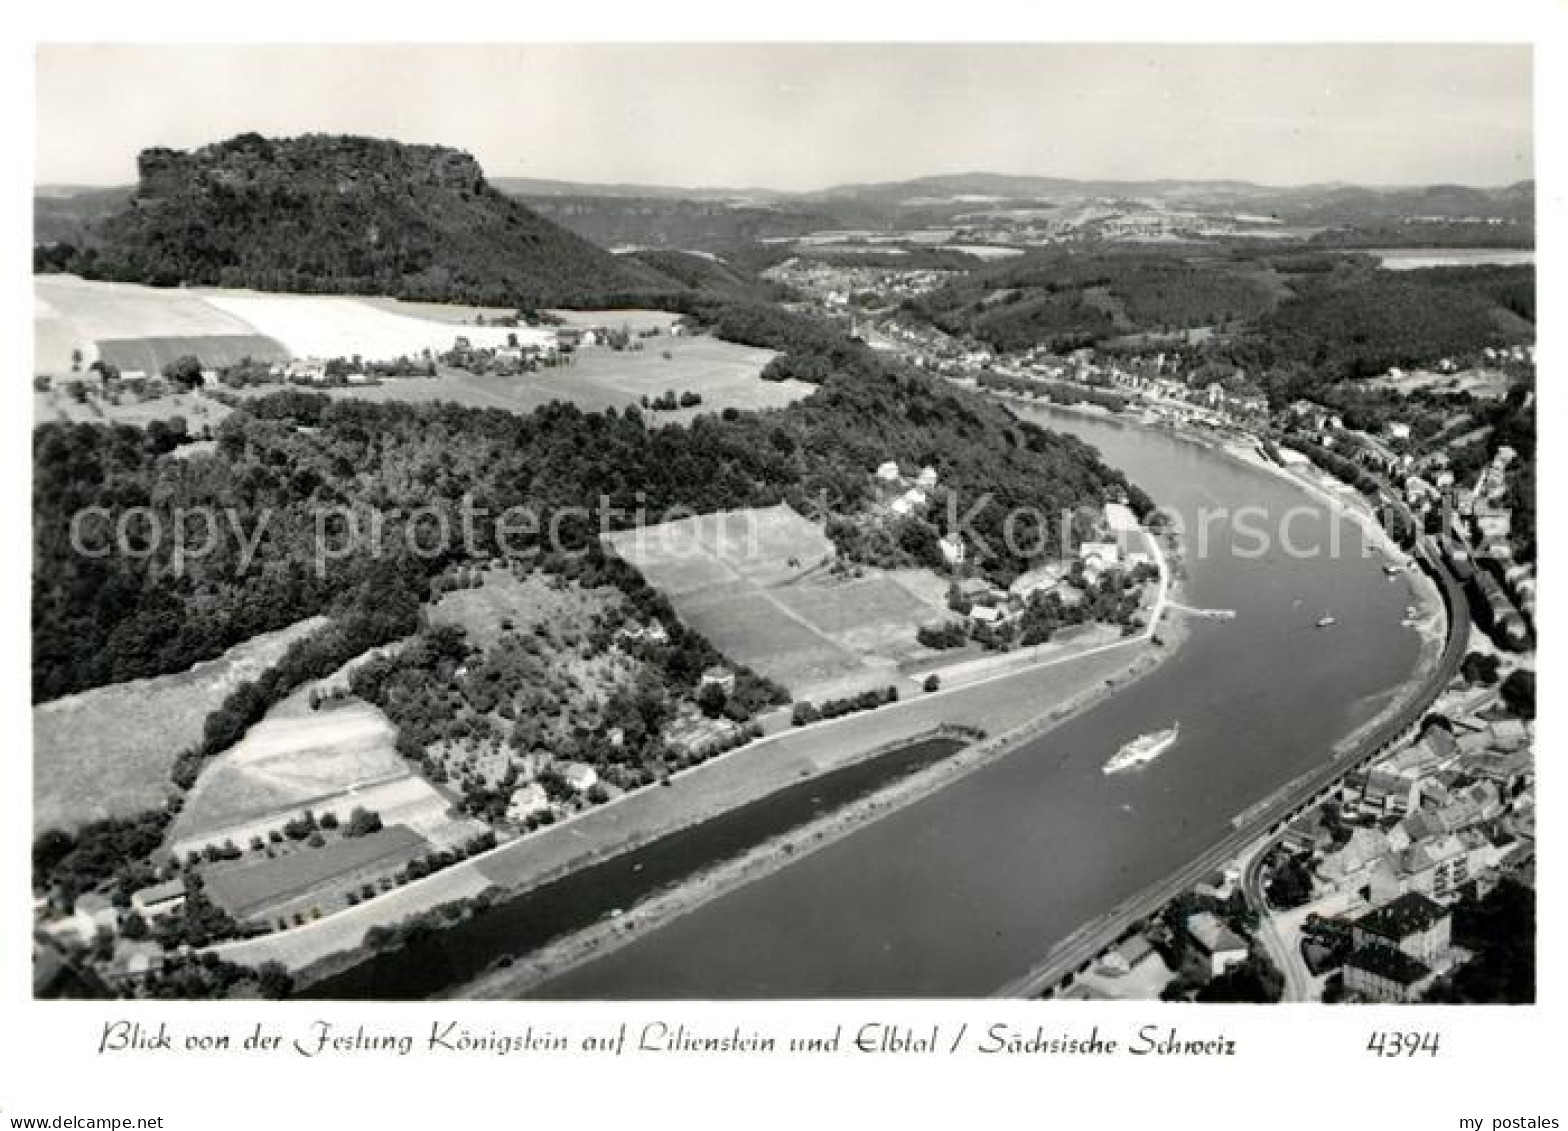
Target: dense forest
(1360, 323)
(1063, 300)
(290, 458)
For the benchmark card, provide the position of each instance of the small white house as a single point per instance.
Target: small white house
(580, 776)
(953, 549)
(985, 614)
(1105, 554)
(526, 801)
(888, 472)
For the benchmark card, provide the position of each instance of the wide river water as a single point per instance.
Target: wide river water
(964, 890)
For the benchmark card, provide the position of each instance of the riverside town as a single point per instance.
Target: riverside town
(1107, 574)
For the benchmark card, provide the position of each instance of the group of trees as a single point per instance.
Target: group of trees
(806, 712)
(668, 401)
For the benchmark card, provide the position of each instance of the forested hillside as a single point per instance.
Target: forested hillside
(291, 457)
(1063, 300)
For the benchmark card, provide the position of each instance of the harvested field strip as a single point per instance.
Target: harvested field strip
(150, 355)
(249, 887)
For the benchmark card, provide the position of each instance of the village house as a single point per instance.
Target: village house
(1350, 868)
(1212, 948)
(986, 614)
(1129, 956)
(953, 549)
(1308, 833)
(719, 677)
(1035, 580)
(887, 472)
(1438, 868)
(93, 913)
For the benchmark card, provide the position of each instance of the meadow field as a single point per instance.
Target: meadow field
(726, 375)
(109, 751)
(754, 583)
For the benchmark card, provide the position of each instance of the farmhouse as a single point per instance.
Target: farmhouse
(888, 472)
(160, 899)
(92, 914)
(1212, 948)
(953, 549)
(1104, 555)
(985, 614)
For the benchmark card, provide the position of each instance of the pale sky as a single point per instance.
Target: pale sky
(806, 117)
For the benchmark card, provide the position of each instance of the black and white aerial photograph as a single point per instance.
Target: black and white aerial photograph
(784, 522)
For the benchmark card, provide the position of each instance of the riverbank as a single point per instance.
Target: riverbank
(993, 704)
(526, 974)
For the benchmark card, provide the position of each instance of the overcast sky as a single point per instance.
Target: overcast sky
(804, 117)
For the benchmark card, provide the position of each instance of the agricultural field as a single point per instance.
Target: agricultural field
(150, 355)
(71, 313)
(300, 880)
(144, 328)
(758, 585)
(724, 374)
(632, 321)
(327, 326)
(109, 751)
(328, 760)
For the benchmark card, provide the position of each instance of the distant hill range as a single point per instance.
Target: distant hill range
(342, 213)
(324, 213)
(641, 215)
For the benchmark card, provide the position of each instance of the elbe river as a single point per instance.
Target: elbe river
(964, 890)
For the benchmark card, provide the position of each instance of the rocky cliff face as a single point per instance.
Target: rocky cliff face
(324, 213)
(315, 161)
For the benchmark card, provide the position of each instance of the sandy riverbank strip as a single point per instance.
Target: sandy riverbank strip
(554, 959)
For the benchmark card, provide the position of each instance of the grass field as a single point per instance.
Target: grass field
(198, 411)
(752, 582)
(108, 752)
(569, 610)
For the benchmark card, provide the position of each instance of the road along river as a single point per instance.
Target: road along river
(962, 892)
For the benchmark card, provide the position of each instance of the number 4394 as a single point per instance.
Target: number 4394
(1407, 1043)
